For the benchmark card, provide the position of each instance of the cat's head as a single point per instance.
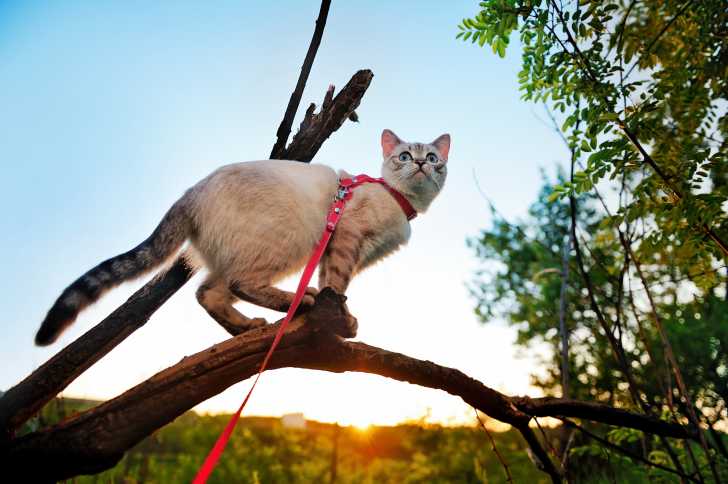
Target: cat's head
(418, 170)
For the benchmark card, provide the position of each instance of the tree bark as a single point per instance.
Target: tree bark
(317, 127)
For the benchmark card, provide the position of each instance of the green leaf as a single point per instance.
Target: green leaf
(553, 197)
(481, 41)
(502, 49)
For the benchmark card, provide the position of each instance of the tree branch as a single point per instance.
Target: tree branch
(317, 127)
(27, 397)
(97, 439)
(284, 129)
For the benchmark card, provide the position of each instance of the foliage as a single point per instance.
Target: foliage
(521, 280)
(263, 451)
(639, 92)
(631, 76)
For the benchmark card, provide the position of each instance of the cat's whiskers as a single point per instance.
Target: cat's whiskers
(428, 175)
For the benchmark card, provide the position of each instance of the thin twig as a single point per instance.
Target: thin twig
(620, 29)
(509, 477)
(546, 439)
(563, 330)
(565, 274)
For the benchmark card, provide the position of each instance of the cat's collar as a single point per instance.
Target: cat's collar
(347, 184)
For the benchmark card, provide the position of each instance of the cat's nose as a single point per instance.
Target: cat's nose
(420, 163)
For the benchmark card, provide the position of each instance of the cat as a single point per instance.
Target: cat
(253, 223)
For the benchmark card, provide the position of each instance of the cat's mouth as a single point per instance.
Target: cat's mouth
(421, 175)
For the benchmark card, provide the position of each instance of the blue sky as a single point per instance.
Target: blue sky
(111, 110)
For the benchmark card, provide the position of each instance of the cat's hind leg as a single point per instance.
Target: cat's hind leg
(215, 296)
(270, 297)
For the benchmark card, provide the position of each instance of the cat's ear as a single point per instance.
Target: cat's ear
(389, 142)
(442, 143)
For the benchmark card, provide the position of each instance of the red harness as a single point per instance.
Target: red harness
(347, 184)
(343, 195)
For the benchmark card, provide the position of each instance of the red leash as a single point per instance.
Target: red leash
(343, 195)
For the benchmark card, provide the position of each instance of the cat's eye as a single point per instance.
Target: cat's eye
(432, 158)
(405, 156)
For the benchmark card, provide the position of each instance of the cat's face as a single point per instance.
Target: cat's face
(418, 169)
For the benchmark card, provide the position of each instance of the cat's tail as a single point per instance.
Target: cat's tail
(164, 242)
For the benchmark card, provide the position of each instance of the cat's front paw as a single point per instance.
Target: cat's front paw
(309, 298)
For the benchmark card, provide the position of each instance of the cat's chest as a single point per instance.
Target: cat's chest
(378, 221)
(381, 219)
(396, 231)
(382, 240)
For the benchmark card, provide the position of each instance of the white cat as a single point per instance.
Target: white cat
(254, 223)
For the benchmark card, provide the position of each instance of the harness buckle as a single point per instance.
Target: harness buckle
(341, 193)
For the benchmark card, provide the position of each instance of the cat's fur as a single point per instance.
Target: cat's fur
(254, 223)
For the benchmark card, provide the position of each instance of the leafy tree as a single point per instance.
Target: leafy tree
(639, 91)
(520, 280)
(643, 87)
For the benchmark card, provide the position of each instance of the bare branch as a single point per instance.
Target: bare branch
(27, 397)
(285, 127)
(97, 439)
(317, 127)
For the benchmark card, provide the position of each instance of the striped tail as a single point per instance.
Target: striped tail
(164, 242)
